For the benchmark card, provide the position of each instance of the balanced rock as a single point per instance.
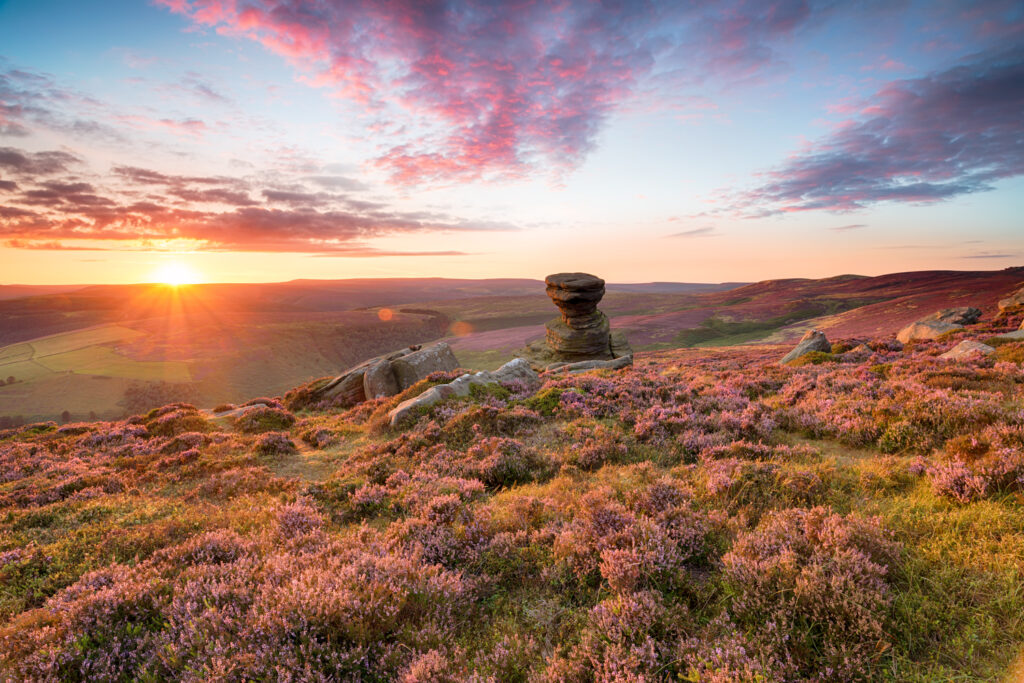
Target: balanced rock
(967, 347)
(582, 332)
(926, 329)
(963, 315)
(813, 340)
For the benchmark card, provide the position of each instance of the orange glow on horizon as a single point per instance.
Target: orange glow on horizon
(175, 273)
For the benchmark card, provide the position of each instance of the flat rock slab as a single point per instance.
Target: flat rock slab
(515, 369)
(963, 315)
(584, 365)
(967, 347)
(1012, 336)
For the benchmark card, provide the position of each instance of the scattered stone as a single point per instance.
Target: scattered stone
(415, 366)
(1012, 304)
(1012, 336)
(516, 369)
(583, 365)
(349, 387)
(964, 315)
(813, 340)
(967, 347)
(926, 329)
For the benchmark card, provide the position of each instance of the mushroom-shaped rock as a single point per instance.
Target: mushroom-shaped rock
(926, 329)
(813, 340)
(968, 347)
(963, 315)
(1013, 303)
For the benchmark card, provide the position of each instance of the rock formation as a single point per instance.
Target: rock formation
(964, 315)
(516, 369)
(582, 333)
(926, 329)
(813, 340)
(378, 377)
(967, 347)
(1012, 304)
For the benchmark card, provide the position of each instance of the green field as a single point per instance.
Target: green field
(79, 371)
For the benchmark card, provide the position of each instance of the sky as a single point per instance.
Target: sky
(738, 140)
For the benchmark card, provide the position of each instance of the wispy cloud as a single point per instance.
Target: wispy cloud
(707, 231)
(505, 89)
(134, 207)
(850, 226)
(919, 140)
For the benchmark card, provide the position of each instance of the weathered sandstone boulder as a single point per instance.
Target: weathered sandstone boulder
(1012, 336)
(582, 332)
(1012, 304)
(378, 377)
(413, 367)
(963, 315)
(813, 340)
(926, 329)
(516, 369)
(967, 347)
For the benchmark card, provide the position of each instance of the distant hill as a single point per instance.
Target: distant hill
(106, 348)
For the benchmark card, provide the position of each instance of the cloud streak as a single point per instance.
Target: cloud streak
(135, 207)
(921, 140)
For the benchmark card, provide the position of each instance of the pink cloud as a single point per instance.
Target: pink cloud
(918, 140)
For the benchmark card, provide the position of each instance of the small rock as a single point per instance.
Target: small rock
(964, 315)
(967, 347)
(813, 340)
(926, 329)
(1012, 336)
(620, 345)
(415, 366)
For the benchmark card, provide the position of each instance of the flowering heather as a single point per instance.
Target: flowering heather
(703, 515)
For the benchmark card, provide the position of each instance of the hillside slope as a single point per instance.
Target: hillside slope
(704, 515)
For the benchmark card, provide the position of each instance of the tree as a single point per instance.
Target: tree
(65, 416)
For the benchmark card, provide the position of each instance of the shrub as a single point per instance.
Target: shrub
(264, 419)
(811, 588)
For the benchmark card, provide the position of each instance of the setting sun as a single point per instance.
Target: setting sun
(175, 274)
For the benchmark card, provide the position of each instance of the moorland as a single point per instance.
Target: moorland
(707, 514)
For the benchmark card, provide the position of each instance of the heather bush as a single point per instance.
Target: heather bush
(812, 588)
(264, 419)
(274, 443)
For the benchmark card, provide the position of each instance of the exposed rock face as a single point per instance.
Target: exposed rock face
(378, 377)
(964, 315)
(516, 369)
(926, 329)
(967, 347)
(1013, 303)
(582, 332)
(813, 340)
(415, 366)
(379, 380)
